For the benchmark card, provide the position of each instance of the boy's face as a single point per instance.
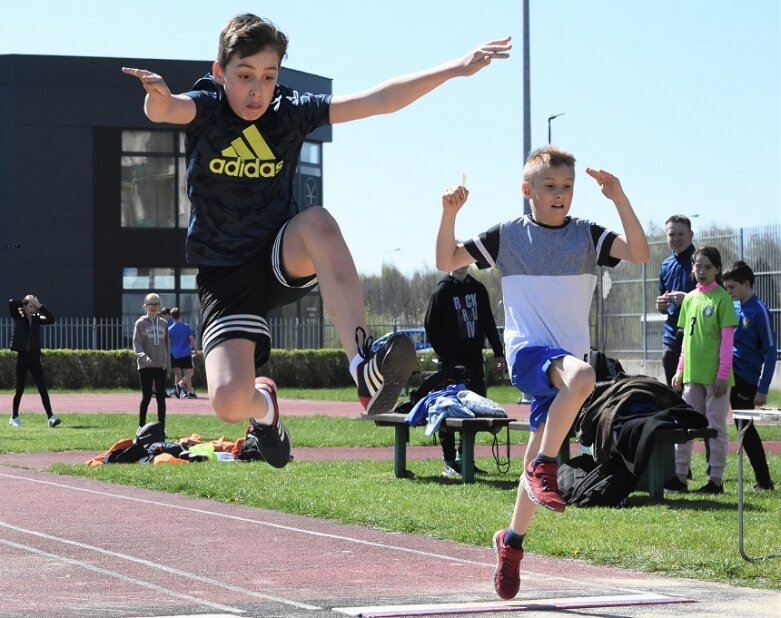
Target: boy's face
(738, 291)
(550, 194)
(249, 82)
(679, 236)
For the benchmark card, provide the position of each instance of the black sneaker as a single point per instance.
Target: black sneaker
(383, 374)
(711, 488)
(762, 487)
(273, 439)
(676, 484)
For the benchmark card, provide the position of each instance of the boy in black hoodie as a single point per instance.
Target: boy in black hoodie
(458, 321)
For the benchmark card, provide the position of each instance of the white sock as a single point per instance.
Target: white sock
(357, 360)
(266, 420)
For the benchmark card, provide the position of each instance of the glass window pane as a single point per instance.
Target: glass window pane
(183, 205)
(187, 279)
(149, 279)
(310, 153)
(132, 309)
(191, 312)
(148, 192)
(148, 141)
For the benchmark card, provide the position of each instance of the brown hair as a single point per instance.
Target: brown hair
(248, 34)
(713, 254)
(680, 219)
(547, 156)
(740, 272)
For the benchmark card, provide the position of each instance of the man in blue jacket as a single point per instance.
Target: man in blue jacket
(675, 281)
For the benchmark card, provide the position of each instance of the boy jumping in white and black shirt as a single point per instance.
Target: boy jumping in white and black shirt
(549, 264)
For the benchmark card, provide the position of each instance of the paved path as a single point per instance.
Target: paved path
(72, 547)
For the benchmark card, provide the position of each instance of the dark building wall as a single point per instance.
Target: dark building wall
(61, 120)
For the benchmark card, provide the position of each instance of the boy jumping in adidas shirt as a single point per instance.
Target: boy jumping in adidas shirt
(549, 263)
(253, 247)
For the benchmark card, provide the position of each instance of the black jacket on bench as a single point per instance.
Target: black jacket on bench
(611, 425)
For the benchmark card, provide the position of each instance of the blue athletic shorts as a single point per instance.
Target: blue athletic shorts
(530, 376)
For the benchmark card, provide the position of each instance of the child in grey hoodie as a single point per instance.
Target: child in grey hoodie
(153, 349)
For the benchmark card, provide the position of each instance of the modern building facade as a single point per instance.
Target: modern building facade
(93, 205)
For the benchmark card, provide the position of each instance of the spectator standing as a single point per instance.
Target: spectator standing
(704, 372)
(458, 321)
(153, 351)
(183, 350)
(754, 362)
(675, 281)
(29, 315)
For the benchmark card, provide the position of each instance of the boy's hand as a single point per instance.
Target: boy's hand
(760, 399)
(719, 387)
(677, 382)
(153, 83)
(610, 185)
(454, 198)
(482, 55)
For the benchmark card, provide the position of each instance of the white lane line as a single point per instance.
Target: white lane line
(479, 607)
(124, 578)
(160, 567)
(417, 552)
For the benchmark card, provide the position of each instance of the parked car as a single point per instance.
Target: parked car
(418, 336)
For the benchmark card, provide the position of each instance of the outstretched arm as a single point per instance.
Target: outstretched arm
(451, 255)
(160, 105)
(397, 93)
(632, 245)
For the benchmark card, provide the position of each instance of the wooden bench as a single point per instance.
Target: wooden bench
(468, 427)
(661, 463)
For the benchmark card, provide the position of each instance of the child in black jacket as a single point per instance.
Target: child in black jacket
(29, 315)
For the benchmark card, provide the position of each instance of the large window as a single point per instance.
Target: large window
(175, 286)
(154, 185)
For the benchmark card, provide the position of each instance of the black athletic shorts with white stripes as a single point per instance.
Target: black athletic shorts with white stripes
(235, 300)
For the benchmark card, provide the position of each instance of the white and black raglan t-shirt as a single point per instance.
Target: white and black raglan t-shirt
(548, 279)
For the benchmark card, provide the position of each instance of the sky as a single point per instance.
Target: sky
(678, 98)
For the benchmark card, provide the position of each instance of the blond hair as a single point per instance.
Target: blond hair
(547, 156)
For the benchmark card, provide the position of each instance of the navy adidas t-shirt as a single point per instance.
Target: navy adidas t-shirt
(240, 174)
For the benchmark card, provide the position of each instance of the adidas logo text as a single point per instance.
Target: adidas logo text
(248, 156)
(246, 169)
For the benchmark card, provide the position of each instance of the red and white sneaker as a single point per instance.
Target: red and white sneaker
(383, 373)
(507, 576)
(273, 439)
(542, 485)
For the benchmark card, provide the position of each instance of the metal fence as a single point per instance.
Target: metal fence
(117, 333)
(624, 320)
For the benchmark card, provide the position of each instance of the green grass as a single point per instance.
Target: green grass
(688, 536)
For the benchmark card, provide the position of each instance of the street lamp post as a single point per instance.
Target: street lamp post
(552, 118)
(382, 279)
